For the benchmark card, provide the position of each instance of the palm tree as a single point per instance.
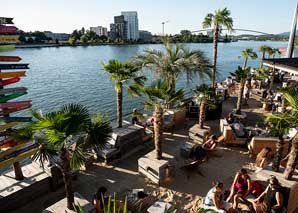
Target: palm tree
(291, 95)
(122, 74)
(273, 52)
(263, 49)
(279, 125)
(220, 18)
(159, 96)
(205, 96)
(69, 133)
(173, 62)
(248, 53)
(241, 75)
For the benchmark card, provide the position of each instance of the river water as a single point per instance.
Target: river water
(64, 75)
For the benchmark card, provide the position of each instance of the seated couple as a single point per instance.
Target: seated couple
(199, 151)
(270, 200)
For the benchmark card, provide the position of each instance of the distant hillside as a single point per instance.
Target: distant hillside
(286, 33)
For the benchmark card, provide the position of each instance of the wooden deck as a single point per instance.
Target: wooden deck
(14, 193)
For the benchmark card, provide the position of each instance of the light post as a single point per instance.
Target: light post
(163, 27)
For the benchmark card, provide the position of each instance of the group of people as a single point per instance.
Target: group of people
(272, 199)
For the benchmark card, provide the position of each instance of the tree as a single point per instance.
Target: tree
(122, 74)
(205, 95)
(71, 134)
(72, 40)
(248, 53)
(84, 39)
(159, 96)
(263, 49)
(279, 125)
(241, 76)
(273, 52)
(173, 62)
(75, 34)
(291, 95)
(220, 18)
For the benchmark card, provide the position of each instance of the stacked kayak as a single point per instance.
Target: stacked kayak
(11, 150)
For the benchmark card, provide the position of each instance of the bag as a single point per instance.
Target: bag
(256, 188)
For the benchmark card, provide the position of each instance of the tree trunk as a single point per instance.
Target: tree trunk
(278, 155)
(158, 131)
(293, 159)
(119, 106)
(240, 96)
(67, 177)
(215, 39)
(283, 104)
(272, 79)
(245, 63)
(18, 171)
(262, 58)
(202, 113)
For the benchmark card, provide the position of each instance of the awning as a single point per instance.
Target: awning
(289, 65)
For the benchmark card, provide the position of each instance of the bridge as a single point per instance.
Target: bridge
(235, 29)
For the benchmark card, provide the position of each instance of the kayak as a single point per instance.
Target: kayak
(12, 110)
(5, 154)
(13, 90)
(8, 125)
(12, 74)
(14, 104)
(12, 96)
(16, 119)
(9, 81)
(19, 156)
(10, 58)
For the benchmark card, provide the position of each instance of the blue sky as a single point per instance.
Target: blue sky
(272, 16)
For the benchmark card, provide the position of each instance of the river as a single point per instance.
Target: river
(60, 75)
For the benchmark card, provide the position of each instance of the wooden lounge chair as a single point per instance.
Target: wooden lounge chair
(192, 167)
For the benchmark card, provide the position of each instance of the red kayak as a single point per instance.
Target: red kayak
(9, 81)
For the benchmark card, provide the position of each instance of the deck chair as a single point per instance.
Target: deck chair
(192, 167)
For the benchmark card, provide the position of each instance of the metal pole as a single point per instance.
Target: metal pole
(292, 35)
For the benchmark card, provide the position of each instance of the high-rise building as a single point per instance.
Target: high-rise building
(100, 31)
(145, 36)
(119, 28)
(131, 17)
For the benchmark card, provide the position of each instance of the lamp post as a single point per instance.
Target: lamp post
(163, 27)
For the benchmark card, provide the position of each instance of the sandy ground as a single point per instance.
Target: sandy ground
(122, 175)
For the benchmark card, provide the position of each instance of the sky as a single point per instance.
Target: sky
(271, 16)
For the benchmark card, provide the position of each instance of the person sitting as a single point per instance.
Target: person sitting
(214, 199)
(201, 151)
(263, 157)
(240, 188)
(99, 199)
(135, 117)
(230, 118)
(271, 200)
(238, 128)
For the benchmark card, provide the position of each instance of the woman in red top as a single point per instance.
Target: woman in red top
(240, 188)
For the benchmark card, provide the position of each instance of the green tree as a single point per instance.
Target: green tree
(263, 49)
(173, 62)
(72, 40)
(241, 76)
(159, 96)
(75, 34)
(84, 39)
(123, 74)
(248, 54)
(291, 95)
(279, 126)
(205, 96)
(71, 133)
(220, 18)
